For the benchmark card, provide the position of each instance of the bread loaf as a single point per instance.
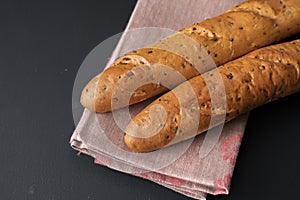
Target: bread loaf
(246, 27)
(257, 78)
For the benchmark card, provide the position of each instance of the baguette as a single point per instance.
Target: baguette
(257, 78)
(246, 27)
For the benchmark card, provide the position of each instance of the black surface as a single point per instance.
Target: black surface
(42, 47)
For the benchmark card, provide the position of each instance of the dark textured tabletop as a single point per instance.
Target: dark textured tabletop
(42, 45)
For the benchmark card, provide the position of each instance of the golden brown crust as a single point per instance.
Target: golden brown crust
(246, 27)
(257, 78)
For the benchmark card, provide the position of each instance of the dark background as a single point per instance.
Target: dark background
(42, 45)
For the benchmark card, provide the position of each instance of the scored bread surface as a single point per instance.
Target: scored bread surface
(246, 27)
(257, 78)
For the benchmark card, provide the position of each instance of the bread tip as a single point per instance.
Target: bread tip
(130, 143)
(88, 99)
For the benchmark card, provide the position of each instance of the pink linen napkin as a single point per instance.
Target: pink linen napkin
(179, 166)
